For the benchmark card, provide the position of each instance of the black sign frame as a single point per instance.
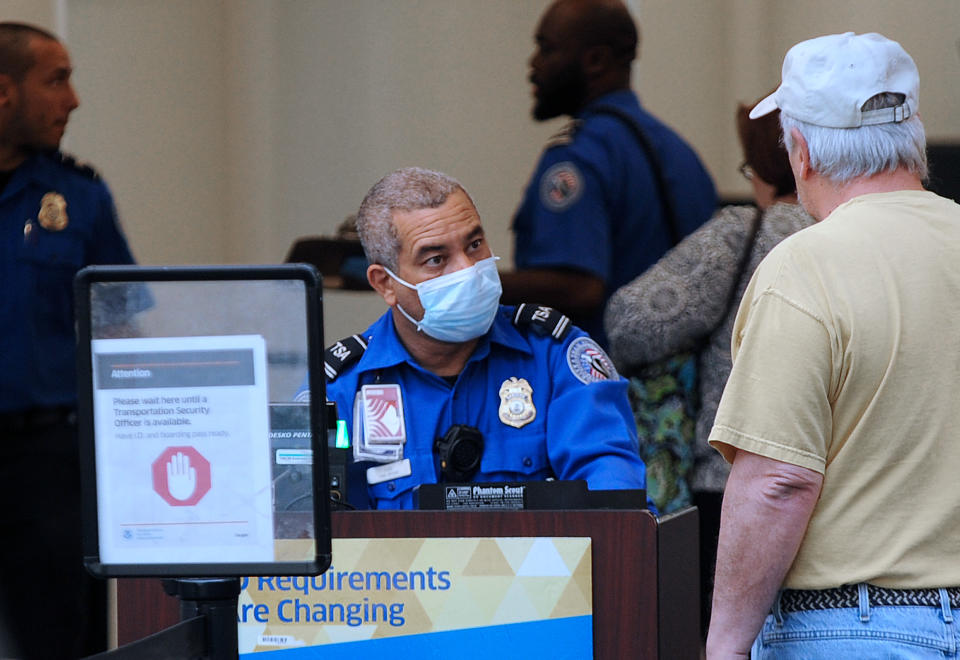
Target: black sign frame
(143, 276)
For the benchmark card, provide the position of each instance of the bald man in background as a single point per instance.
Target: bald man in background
(594, 215)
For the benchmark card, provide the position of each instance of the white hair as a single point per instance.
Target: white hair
(844, 154)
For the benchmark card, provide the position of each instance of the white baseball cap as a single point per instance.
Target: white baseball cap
(825, 81)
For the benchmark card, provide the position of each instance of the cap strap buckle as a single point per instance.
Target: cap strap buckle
(886, 115)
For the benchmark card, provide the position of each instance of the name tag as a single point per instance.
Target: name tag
(380, 473)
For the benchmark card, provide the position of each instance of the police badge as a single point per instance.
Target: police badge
(53, 212)
(516, 402)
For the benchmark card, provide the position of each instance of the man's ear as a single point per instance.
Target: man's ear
(801, 153)
(596, 60)
(382, 283)
(8, 89)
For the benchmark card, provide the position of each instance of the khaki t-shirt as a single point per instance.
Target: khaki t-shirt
(847, 361)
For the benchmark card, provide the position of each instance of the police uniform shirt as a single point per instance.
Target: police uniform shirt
(581, 425)
(592, 204)
(55, 218)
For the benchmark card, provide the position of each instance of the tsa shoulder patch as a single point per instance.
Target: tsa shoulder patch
(588, 362)
(565, 135)
(543, 320)
(79, 166)
(342, 354)
(561, 186)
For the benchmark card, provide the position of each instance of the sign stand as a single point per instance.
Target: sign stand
(215, 601)
(175, 376)
(207, 629)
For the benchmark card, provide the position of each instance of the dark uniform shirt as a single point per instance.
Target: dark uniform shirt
(569, 417)
(592, 204)
(55, 218)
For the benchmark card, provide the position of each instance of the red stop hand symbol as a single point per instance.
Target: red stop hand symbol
(181, 476)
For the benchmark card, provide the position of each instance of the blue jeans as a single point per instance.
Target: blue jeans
(861, 632)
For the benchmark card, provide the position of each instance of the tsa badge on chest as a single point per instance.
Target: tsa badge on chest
(53, 212)
(516, 402)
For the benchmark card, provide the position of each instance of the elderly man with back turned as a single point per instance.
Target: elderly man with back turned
(448, 375)
(841, 518)
(56, 217)
(594, 215)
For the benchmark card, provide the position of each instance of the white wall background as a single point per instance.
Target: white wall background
(228, 128)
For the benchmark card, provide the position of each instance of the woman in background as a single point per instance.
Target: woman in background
(687, 301)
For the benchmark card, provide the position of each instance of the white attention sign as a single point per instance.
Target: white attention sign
(182, 450)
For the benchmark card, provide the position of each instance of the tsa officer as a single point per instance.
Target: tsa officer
(56, 216)
(449, 385)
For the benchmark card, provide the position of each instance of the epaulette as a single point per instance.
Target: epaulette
(565, 136)
(79, 166)
(542, 320)
(343, 353)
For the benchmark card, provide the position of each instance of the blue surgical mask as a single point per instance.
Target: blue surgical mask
(458, 306)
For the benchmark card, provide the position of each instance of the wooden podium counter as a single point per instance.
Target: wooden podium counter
(645, 571)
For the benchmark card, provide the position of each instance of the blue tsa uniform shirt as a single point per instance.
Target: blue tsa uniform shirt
(547, 405)
(56, 217)
(592, 204)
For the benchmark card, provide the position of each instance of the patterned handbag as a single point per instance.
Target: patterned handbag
(665, 403)
(664, 395)
(665, 400)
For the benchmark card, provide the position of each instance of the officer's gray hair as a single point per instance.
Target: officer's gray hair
(844, 154)
(407, 189)
(16, 57)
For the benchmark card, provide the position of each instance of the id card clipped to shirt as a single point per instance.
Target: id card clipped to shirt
(379, 428)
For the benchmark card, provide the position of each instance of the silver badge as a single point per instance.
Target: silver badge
(516, 402)
(53, 212)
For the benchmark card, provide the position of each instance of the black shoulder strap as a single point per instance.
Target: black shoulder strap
(343, 353)
(666, 201)
(542, 320)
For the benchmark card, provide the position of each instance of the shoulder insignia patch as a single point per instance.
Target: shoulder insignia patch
(79, 166)
(565, 135)
(561, 186)
(588, 363)
(542, 320)
(343, 353)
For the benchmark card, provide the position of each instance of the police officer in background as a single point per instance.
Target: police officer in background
(449, 375)
(593, 216)
(55, 218)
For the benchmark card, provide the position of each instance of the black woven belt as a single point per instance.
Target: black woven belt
(798, 600)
